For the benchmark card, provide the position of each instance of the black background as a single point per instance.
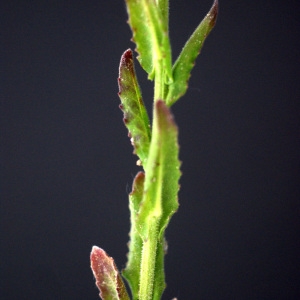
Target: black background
(67, 164)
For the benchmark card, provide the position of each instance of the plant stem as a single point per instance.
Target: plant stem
(149, 252)
(159, 84)
(148, 262)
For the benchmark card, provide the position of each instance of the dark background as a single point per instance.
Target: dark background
(67, 164)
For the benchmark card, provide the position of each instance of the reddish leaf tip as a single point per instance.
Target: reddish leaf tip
(126, 60)
(104, 270)
(165, 113)
(126, 63)
(213, 13)
(139, 178)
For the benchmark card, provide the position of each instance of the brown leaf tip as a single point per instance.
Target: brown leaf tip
(213, 13)
(126, 61)
(107, 276)
(127, 55)
(164, 113)
(137, 182)
(126, 65)
(101, 263)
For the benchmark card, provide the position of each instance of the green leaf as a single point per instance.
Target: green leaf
(159, 200)
(186, 60)
(149, 24)
(132, 271)
(164, 9)
(108, 279)
(135, 115)
(162, 170)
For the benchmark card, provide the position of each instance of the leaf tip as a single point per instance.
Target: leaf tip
(137, 182)
(125, 62)
(107, 276)
(164, 113)
(213, 13)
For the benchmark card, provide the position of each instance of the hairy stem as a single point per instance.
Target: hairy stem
(148, 262)
(159, 85)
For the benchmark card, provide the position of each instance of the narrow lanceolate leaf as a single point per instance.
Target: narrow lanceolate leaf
(162, 171)
(159, 201)
(108, 279)
(186, 60)
(148, 21)
(132, 271)
(163, 6)
(135, 115)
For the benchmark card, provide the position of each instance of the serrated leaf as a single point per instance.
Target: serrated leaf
(164, 9)
(135, 115)
(132, 271)
(162, 171)
(108, 279)
(160, 198)
(148, 21)
(186, 60)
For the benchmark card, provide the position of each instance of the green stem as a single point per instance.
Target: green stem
(150, 244)
(159, 84)
(148, 262)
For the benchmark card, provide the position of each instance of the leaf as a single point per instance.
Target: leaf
(159, 201)
(108, 279)
(186, 60)
(135, 115)
(162, 171)
(132, 270)
(149, 24)
(164, 9)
